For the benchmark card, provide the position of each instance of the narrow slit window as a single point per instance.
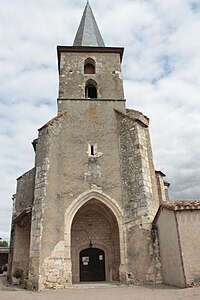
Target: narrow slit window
(92, 150)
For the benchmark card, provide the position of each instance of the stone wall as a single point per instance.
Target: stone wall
(138, 174)
(140, 196)
(107, 76)
(65, 169)
(22, 249)
(162, 188)
(25, 191)
(20, 227)
(41, 169)
(170, 251)
(189, 233)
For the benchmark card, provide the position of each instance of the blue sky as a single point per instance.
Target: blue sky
(161, 78)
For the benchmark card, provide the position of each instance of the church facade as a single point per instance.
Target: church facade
(85, 211)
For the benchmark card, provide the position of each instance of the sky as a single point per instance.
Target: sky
(161, 71)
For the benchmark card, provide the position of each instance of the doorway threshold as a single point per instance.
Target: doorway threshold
(95, 284)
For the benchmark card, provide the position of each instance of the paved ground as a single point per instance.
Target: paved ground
(101, 292)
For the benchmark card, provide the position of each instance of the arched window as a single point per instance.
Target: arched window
(89, 66)
(91, 89)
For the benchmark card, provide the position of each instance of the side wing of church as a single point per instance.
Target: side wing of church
(85, 211)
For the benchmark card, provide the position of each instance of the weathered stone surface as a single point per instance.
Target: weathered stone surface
(110, 85)
(25, 191)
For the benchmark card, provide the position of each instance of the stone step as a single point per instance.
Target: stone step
(95, 284)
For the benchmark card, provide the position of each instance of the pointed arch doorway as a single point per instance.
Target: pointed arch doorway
(95, 248)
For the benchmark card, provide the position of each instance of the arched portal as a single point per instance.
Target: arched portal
(95, 227)
(117, 214)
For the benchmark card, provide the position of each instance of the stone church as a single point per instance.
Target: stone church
(89, 209)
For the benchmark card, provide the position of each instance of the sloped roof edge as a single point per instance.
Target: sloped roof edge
(135, 116)
(55, 119)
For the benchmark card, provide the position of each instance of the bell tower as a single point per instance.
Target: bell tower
(93, 193)
(88, 70)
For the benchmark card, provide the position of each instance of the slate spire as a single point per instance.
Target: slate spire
(88, 33)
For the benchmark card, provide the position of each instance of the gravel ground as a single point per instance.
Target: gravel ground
(101, 292)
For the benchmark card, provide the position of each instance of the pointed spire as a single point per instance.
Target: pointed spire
(88, 33)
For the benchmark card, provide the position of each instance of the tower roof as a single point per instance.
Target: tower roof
(88, 33)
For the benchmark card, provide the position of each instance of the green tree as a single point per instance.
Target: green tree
(3, 244)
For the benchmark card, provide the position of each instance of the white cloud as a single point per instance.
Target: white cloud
(161, 70)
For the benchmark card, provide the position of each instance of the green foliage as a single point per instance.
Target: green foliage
(3, 244)
(18, 273)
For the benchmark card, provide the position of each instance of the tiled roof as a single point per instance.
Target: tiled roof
(182, 205)
(88, 33)
(178, 205)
